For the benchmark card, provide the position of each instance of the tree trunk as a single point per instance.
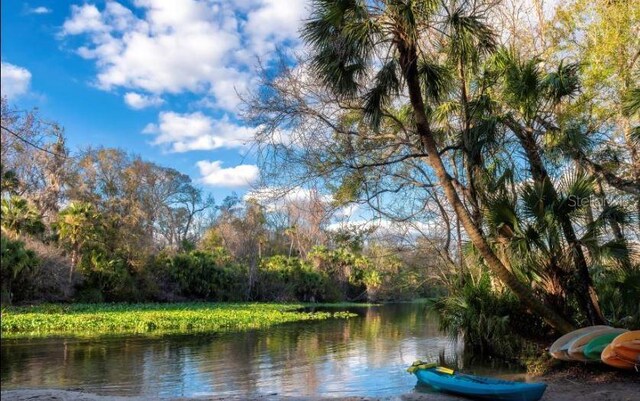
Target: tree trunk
(473, 162)
(408, 62)
(74, 260)
(615, 227)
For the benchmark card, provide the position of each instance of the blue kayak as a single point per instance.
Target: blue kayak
(485, 388)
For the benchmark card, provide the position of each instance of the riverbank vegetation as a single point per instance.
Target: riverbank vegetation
(493, 162)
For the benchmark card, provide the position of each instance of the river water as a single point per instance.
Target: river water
(366, 355)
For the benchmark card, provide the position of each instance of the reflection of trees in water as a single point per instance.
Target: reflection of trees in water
(296, 358)
(60, 363)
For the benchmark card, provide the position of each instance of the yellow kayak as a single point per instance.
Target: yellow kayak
(627, 346)
(610, 357)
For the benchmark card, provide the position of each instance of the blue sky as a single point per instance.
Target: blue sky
(158, 78)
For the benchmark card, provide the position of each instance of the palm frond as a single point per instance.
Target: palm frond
(631, 102)
(436, 79)
(571, 139)
(577, 190)
(522, 80)
(407, 15)
(445, 110)
(471, 37)
(635, 135)
(386, 85)
(614, 214)
(341, 34)
(501, 215)
(537, 201)
(563, 82)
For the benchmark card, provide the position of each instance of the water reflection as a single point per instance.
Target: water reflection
(365, 356)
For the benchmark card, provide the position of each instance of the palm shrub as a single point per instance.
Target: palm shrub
(490, 322)
(619, 291)
(21, 217)
(284, 278)
(106, 278)
(351, 273)
(18, 266)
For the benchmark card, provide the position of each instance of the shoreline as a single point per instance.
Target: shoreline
(563, 386)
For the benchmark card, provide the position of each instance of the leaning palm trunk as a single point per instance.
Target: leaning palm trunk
(408, 63)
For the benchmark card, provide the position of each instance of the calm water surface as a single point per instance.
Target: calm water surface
(366, 355)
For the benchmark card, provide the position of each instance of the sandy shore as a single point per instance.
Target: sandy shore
(563, 386)
(555, 391)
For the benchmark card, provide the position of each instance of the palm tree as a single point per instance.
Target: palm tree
(77, 224)
(351, 40)
(530, 93)
(21, 217)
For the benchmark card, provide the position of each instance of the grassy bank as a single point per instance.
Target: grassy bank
(93, 320)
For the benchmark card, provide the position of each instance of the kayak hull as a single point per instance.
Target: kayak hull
(611, 358)
(559, 349)
(481, 387)
(627, 346)
(576, 347)
(628, 354)
(593, 349)
(630, 339)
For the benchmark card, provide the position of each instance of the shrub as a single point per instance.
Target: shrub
(619, 292)
(205, 275)
(491, 322)
(285, 278)
(18, 267)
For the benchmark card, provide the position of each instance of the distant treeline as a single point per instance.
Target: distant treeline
(105, 225)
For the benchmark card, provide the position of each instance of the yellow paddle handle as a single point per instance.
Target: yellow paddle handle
(419, 365)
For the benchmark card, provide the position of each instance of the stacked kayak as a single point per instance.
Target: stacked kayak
(624, 351)
(560, 348)
(616, 347)
(576, 347)
(486, 388)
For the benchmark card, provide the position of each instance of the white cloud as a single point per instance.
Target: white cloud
(86, 19)
(138, 101)
(214, 175)
(15, 80)
(276, 21)
(39, 10)
(207, 47)
(197, 131)
(347, 211)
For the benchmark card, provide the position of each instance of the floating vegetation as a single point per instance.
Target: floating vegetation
(93, 320)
